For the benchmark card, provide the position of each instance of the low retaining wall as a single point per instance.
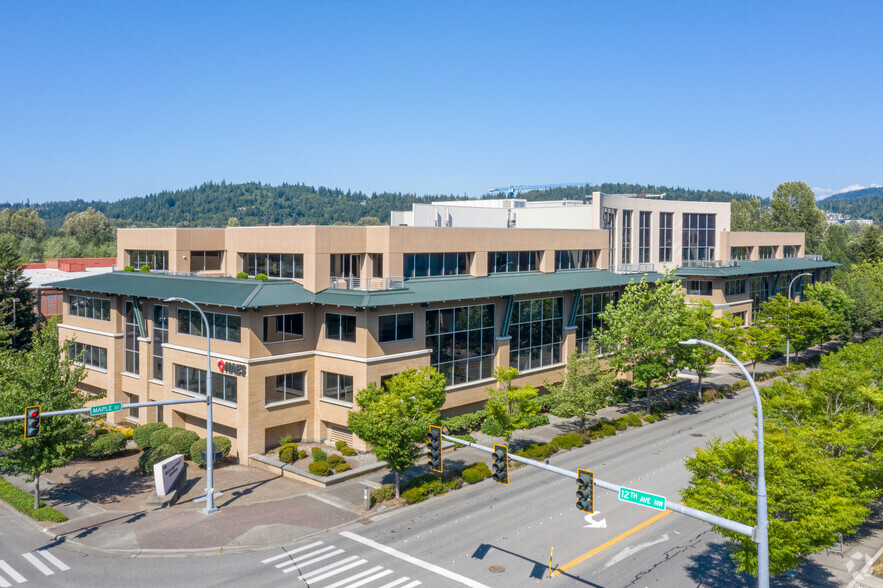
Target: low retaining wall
(289, 471)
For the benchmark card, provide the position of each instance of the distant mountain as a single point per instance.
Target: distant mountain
(254, 203)
(866, 203)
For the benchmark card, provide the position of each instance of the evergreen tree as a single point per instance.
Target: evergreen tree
(17, 316)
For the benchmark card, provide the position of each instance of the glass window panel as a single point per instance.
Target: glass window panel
(432, 326)
(405, 326)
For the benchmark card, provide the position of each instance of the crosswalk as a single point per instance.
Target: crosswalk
(9, 574)
(336, 562)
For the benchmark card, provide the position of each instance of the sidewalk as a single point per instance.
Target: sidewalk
(259, 509)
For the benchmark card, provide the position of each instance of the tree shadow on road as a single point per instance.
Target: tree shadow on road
(714, 568)
(109, 486)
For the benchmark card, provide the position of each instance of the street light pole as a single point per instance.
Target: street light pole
(788, 339)
(14, 322)
(210, 440)
(761, 531)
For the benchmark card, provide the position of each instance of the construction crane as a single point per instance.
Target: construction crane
(511, 191)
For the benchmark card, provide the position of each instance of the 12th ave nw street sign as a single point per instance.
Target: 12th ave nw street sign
(642, 498)
(105, 408)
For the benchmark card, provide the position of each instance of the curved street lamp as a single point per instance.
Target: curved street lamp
(788, 339)
(761, 531)
(209, 432)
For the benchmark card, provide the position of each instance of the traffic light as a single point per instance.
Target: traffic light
(32, 422)
(501, 464)
(585, 490)
(433, 443)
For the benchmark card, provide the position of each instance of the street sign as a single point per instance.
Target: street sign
(642, 498)
(105, 408)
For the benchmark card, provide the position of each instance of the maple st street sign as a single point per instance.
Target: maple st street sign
(105, 408)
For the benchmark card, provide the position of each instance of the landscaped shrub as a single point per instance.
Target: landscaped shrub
(469, 438)
(181, 440)
(347, 451)
(538, 452)
(492, 428)
(286, 440)
(127, 431)
(568, 440)
(633, 419)
(339, 445)
(334, 460)
(104, 446)
(162, 436)
(536, 420)
(288, 453)
(342, 467)
(465, 423)
(319, 468)
(476, 472)
(262, 277)
(649, 418)
(302, 454)
(622, 391)
(129, 268)
(415, 495)
(620, 424)
(152, 456)
(241, 276)
(221, 444)
(24, 502)
(382, 494)
(709, 395)
(318, 454)
(142, 434)
(145, 269)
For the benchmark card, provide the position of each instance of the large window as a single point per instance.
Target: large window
(576, 259)
(758, 290)
(285, 387)
(283, 327)
(337, 387)
(790, 250)
(665, 236)
(644, 237)
(224, 327)
(588, 319)
(626, 236)
(461, 342)
(155, 260)
(535, 328)
(699, 287)
(93, 357)
(132, 332)
(160, 336)
(420, 265)
(396, 327)
(340, 327)
(767, 252)
(205, 261)
(274, 265)
(608, 221)
(194, 380)
(740, 253)
(89, 307)
(734, 287)
(346, 265)
(698, 236)
(512, 261)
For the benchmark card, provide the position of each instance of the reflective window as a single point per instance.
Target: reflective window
(461, 342)
(536, 330)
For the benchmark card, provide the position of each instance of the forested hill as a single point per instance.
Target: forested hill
(867, 203)
(213, 205)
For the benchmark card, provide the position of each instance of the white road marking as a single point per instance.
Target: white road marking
(288, 553)
(310, 561)
(355, 577)
(632, 550)
(593, 524)
(53, 560)
(370, 579)
(11, 573)
(332, 572)
(396, 582)
(331, 566)
(4, 583)
(412, 584)
(417, 562)
(305, 556)
(37, 563)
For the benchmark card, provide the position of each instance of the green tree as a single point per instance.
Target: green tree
(836, 244)
(758, 342)
(702, 324)
(22, 223)
(15, 296)
(88, 227)
(47, 377)
(863, 284)
(510, 406)
(806, 322)
(793, 208)
(840, 307)
(748, 215)
(867, 247)
(394, 421)
(642, 330)
(62, 247)
(585, 389)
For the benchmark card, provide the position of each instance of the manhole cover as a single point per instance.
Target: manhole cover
(496, 569)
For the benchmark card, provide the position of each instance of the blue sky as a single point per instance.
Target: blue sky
(108, 100)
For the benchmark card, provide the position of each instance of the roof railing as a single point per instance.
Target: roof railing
(710, 263)
(634, 268)
(370, 284)
(814, 257)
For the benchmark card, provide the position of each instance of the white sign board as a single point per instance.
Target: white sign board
(166, 473)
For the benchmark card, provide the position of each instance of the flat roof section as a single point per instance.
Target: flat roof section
(763, 266)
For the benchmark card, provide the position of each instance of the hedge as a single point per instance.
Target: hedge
(334, 460)
(181, 440)
(154, 455)
(465, 423)
(568, 440)
(382, 494)
(222, 444)
(104, 446)
(342, 467)
(24, 503)
(142, 434)
(476, 472)
(319, 468)
(288, 453)
(348, 451)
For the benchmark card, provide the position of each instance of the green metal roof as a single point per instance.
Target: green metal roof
(763, 266)
(252, 294)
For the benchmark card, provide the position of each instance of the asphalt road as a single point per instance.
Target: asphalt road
(481, 535)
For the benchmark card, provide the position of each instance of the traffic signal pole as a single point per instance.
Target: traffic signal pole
(734, 526)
